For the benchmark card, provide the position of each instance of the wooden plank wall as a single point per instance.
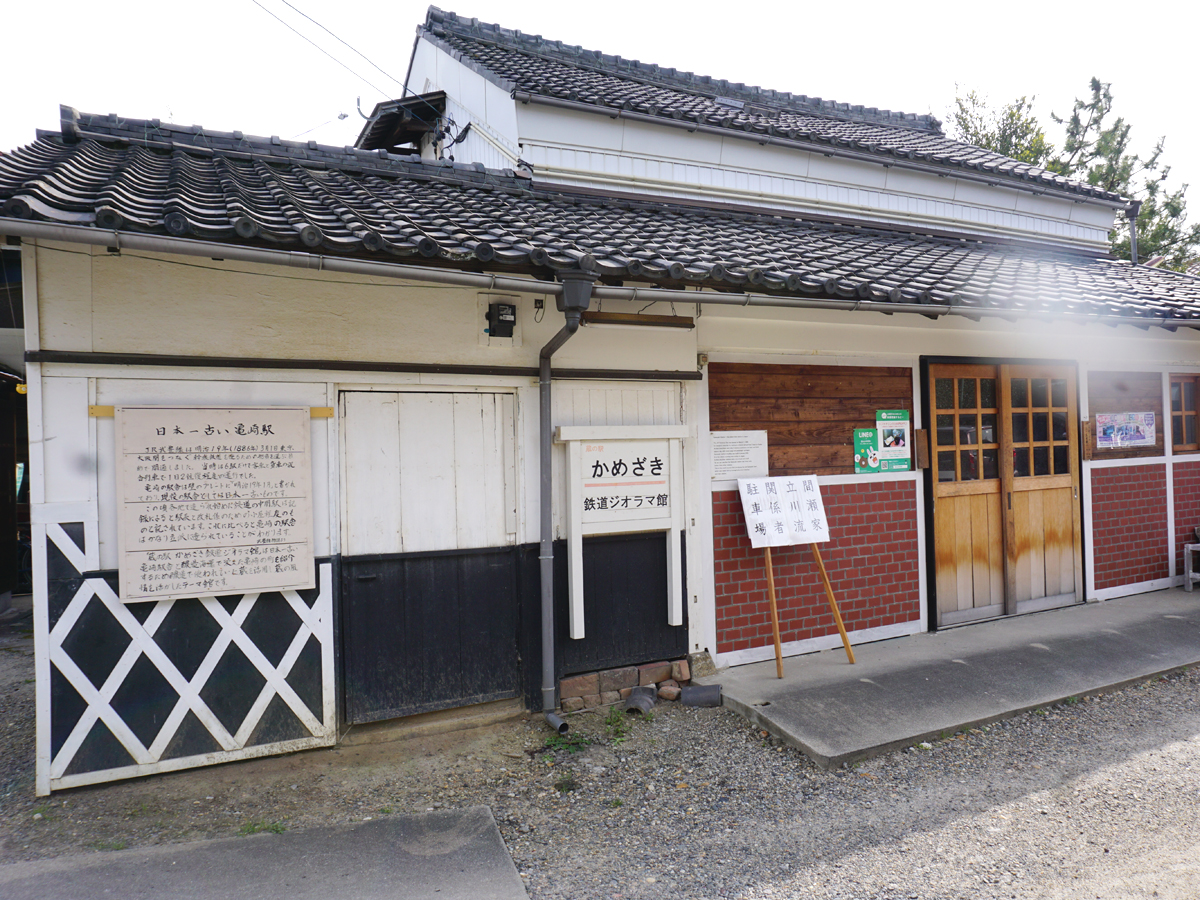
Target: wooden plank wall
(1118, 392)
(808, 412)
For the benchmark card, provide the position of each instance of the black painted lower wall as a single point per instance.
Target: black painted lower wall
(425, 631)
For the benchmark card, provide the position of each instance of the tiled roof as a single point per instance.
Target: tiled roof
(227, 187)
(529, 63)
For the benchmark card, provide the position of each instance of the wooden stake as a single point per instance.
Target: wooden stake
(837, 616)
(774, 611)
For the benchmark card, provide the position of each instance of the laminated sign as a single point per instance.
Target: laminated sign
(783, 511)
(895, 440)
(866, 451)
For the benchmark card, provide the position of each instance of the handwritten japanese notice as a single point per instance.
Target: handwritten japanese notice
(625, 480)
(213, 501)
(783, 511)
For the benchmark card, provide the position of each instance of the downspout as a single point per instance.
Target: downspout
(1131, 213)
(572, 302)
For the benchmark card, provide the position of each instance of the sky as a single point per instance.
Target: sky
(234, 65)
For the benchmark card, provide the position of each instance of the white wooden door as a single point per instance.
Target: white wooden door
(428, 471)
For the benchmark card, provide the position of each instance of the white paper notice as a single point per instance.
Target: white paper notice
(783, 511)
(739, 454)
(213, 501)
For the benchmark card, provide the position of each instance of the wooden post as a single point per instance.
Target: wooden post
(837, 616)
(774, 611)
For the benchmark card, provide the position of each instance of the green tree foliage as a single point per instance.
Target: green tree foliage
(1012, 130)
(1095, 149)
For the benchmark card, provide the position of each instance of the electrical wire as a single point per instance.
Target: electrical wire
(319, 47)
(314, 128)
(403, 87)
(340, 41)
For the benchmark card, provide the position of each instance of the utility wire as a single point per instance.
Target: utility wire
(403, 88)
(319, 47)
(339, 40)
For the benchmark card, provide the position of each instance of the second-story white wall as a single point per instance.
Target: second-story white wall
(598, 150)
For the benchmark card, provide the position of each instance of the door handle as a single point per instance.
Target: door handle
(1010, 500)
(365, 577)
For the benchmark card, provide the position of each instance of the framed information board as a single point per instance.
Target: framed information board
(213, 501)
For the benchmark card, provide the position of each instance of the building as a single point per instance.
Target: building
(739, 259)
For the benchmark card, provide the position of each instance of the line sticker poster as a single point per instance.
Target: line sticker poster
(783, 511)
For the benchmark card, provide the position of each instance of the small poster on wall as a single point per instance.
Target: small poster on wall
(895, 440)
(866, 451)
(739, 454)
(1115, 431)
(783, 511)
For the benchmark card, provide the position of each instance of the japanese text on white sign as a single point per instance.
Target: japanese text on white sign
(783, 511)
(625, 479)
(213, 501)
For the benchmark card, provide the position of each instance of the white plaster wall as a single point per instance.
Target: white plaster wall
(151, 303)
(470, 98)
(592, 150)
(805, 334)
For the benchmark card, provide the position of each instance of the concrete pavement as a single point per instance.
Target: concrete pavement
(450, 855)
(913, 688)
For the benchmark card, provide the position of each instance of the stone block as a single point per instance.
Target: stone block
(579, 685)
(625, 692)
(608, 698)
(701, 664)
(681, 671)
(668, 690)
(653, 673)
(615, 679)
(572, 704)
(591, 701)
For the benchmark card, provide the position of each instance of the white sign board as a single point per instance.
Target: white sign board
(783, 511)
(213, 501)
(623, 478)
(739, 454)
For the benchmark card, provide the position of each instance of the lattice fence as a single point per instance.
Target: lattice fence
(136, 689)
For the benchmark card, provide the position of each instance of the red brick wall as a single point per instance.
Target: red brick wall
(872, 563)
(1187, 507)
(1129, 525)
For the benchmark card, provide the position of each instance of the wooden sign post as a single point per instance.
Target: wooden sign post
(781, 512)
(774, 611)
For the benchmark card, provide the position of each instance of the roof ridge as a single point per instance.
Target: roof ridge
(439, 20)
(158, 135)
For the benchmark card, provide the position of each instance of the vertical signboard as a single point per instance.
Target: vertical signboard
(621, 479)
(213, 501)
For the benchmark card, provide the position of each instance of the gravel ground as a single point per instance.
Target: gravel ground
(1093, 799)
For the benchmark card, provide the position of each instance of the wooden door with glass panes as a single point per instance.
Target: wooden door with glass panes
(1007, 535)
(1183, 413)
